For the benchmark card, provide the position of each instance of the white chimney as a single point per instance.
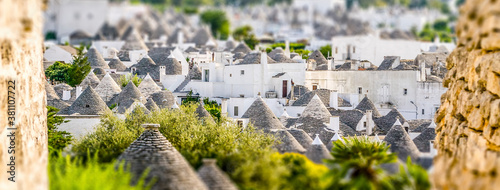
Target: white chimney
(180, 39)
(334, 99)
(223, 106)
(334, 123)
(423, 76)
(369, 122)
(287, 49)
(66, 95)
(78, 91)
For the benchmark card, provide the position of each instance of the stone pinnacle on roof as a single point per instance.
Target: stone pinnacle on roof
(214, 177)
(377, 138)
(151, 150)
(397, 122)
(90, 80)
(175, 106)
(151, 105)
(262, 117)
(317, 151)
(284, 114)
(107, 88)
(88, 103)
(367, 104)
(95, 59)
(401, 143)
(287, 143)
(148, 86)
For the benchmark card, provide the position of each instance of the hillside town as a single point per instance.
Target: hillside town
(122, 79)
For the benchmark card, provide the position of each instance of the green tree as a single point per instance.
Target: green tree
(251, 41)
(241, 33)
(79, 69)
(219, 24)
(326, 50)
(125, 79)
(57, 71)
(58, 140)
(302, 173)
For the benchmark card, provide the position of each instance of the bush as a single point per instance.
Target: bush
(65, 173)
(57, 71)
(219, 24)
(125, 79)
(58, 140)
(79, 69)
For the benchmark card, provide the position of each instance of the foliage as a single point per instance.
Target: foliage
(51, 35)
(112, 106)
(438, 28)
(65, 173)
(190, 98)
(295, 46)
(58, 140)
(302, 172)
(210, 105)
(190, 10)
(80, 67)
(57, 71)
(125, 79)
(326, 50)
(242, 32)
(357, 164)
(219, 24)
(273, 2)
(251, 41)
(303, 53)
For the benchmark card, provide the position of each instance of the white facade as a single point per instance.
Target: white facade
(372, 48)
(56, 53)
(385, 88)
(319, 5)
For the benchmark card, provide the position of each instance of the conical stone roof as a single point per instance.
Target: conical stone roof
(151, 105)
(130, 92)
(214, 177)
(313, 118)
(148, 86)
(302, 137)
(133, 40)
(53, 99)
(317, 151)
(107, 88)
(95, 59)
(318, 57)
(195, 73)
(90, 80)
(401, 143)
(367, 104)
(153, 151)
(286, 142)
(164, 99)
(115, 63)
(88, 103)
(201, 37)
(202, 113)
(262, 117)
(422, 141)
(242, 48)
(386, 122)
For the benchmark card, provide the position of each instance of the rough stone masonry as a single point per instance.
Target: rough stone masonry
(21, 60)
(468, 121)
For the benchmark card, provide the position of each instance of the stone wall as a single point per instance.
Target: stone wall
(468, 139)
(21, 59)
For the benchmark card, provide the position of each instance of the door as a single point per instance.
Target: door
(285, 88)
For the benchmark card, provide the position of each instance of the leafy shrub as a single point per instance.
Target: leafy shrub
(218, 22)
(65, 173)
(57, 71)
(125, 79)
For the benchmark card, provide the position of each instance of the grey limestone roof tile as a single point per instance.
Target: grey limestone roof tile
(254, 58)
(202, 113)
(95, 59)
(115, 63)
(242, 48)
(367, 104)
(148, 86)
(301, 136)
(214, 177)
(281, 58)
(151, 105)
(164, 99)
(262, 117)
(318, 151)
(151, 150)
(385, 123)
(90, 80)
(88, 103)
(422, 141)
(286, 142)
(298, 90)
(133, 40)
(401, 143)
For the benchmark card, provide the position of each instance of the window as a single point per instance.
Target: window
(423, 111)
(364, 124)
(242, 72)
(315, 86)
(235, 110)
(230, 75)
(87, 106)
(207, 75)
(405, 91)
(354, 49)
(360, 90)
(336, 50)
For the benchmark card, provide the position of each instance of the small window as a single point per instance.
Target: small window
(315, 86)
(235, 110)
(360, 90)
(353, 49)
(423, 111)
(242, 72)
(230, 75)
(87, 106)
(405, 91)
(336, 50)
(207, 75)
(364, 124)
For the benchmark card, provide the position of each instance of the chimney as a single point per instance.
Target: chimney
(263, 64)
(223, 106)
(369, 122)
(78, 91)
(180, 39)
(287, 48)
(423, 76)
(334, 99)
(66, 95)
(334, 123)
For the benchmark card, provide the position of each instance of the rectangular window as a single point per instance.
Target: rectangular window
(353, 49)
(405, 91)
(235, 110)
(242, 72)
(423, 111)
(364, 124)
(336, 50)
(315, 86)
(360, 90)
